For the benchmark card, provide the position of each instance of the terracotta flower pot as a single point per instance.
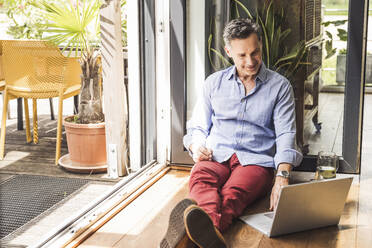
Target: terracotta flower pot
(87, 147)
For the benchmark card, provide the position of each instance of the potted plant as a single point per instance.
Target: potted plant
(341, 34)
(341, 68)
(341, 53)
(331, 50)
(75, 26)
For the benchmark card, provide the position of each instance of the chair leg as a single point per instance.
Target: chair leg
(27, 117)
(34, 117)
(19, 114)
(8, 111)
(3, 125)
(59, 129)
(8, 107)
(51, 109)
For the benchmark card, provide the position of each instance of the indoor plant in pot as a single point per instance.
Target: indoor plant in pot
(341, 68)
(75, 26)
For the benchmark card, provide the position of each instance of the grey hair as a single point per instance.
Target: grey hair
(240, 29)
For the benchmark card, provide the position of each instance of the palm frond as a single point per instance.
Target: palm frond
(244, 8)
(71, 23)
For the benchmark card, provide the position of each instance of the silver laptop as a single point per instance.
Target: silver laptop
(304, 206)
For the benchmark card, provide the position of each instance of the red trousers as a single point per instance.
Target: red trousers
(225, 189)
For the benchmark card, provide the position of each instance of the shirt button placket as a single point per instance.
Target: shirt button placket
(242, 122)
(241, 114)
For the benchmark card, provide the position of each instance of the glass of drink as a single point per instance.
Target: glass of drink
(327, 165)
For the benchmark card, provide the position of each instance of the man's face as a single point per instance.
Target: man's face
(246, 54)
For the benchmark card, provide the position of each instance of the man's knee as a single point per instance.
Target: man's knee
(208, 173)
(236, 198)
(212, 168)
(202, 172)
(200, 165)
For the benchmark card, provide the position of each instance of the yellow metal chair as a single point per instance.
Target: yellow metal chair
(2, 80)
(1, 64)
(37, 70)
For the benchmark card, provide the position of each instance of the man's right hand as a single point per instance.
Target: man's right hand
(200, 153)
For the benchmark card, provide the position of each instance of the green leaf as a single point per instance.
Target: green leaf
(210, 50)
(301, 53)
(331, 53)
(237, 10)
(220, 56)
(270, 22)
(275, 45)
(329, 49)
(328, 45)
(342, 34)
(284, 34)
(329, 34)
(335, 23)
(266, 51)
(244, 8)
(339, 22)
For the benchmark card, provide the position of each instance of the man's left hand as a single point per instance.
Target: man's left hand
(279, 183)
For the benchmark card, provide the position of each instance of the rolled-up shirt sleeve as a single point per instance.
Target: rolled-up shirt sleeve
(199, 125)
(285, 128)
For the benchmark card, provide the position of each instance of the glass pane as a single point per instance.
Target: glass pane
(331, 85)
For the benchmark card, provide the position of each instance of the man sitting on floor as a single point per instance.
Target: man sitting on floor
(242, 128)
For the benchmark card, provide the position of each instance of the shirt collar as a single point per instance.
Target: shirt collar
(231, 73)
(261, 76)
(262, 73)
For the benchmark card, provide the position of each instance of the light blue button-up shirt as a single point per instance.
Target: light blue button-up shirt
(259, 127)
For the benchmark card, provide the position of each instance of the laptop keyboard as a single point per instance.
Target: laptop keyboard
(270, 215)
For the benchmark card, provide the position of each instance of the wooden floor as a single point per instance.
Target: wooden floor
(144, 222)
